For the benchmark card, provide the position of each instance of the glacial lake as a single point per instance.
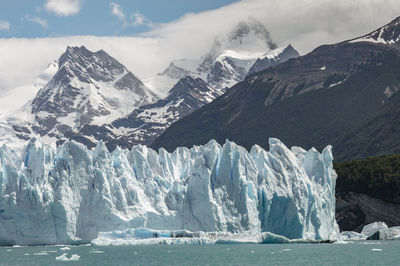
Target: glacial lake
(355, 253)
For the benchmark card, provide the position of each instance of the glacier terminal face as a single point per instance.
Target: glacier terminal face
(68, 194)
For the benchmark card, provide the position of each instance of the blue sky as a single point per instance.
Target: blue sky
(173, 29)
(51, 18)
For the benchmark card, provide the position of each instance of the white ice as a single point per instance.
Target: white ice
(64, 257)
(68, 194)
(372, 228)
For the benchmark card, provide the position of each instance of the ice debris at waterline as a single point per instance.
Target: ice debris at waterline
(68, 194)
(144, 236)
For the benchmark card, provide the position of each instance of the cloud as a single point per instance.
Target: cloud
(37, 20)
(117, 11)
(63, 8)
(136, 19)
(4, 25)
(305, 24)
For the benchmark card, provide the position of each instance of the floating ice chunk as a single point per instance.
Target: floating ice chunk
(396, 232)
(63, 257)
(270, 238)
(392, 233)
(41, 254)
(349, 235)
(372, 228)
(96, 251)
(376, 249)
(65, 248)
(237, 241)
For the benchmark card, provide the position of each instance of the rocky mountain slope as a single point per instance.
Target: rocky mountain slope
(89, 88)
(147, 122)
(273, 58)
(311, 100)
(93, 97)
(368, 190)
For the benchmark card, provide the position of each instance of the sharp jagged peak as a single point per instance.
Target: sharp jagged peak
(289, 47)
(248, 35)
(78, 60)
(244, 29)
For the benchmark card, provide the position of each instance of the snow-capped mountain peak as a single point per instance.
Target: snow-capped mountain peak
(84, 64)
(250, 36)
(230, 58)
(89, 88)
(388, 34)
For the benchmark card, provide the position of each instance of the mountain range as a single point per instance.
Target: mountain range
(247, 47)
(343, 94)
(92, 97)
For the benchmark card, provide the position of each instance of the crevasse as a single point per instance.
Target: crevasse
(68, 194)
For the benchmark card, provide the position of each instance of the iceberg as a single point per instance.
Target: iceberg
(370, 229)
(392, 233)
(70, 195)
(350, 235)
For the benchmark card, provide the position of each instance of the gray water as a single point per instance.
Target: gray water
(355, 253)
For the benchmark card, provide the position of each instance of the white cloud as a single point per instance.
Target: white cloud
(37, 20)
(63, 8)
(305, 24)
(4, 25)
(136, 19)
(117, 11)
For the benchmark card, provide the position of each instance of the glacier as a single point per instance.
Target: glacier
(71, 195)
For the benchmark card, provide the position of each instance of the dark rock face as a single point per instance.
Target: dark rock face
(354, 211)
(267, 62)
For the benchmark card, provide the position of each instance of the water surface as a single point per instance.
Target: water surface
(355, 253)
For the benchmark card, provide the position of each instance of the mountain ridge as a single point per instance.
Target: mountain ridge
(87, 88)
(294, 100)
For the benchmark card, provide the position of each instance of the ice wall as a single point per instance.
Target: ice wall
(69, 194)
